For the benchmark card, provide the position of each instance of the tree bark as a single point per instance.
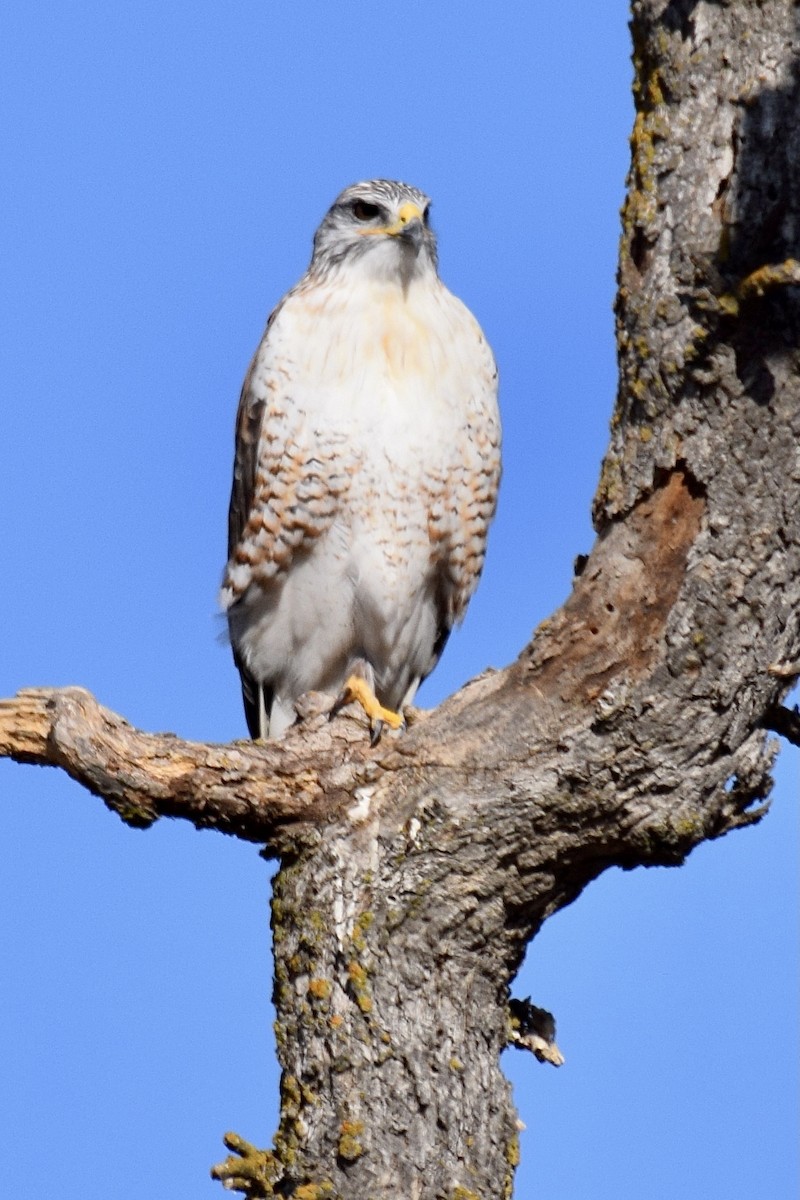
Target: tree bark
(632, 727)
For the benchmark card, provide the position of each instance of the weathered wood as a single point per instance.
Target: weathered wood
(629, 730)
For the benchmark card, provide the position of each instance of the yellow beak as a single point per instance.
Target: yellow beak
(408, 213)
(406, 216)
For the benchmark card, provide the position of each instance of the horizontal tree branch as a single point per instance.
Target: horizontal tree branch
(244, 788)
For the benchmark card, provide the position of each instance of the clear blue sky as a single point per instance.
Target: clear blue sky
(165, 166)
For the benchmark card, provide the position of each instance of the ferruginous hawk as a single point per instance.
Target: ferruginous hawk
(366, 470)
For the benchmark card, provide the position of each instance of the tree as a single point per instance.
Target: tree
(631, 729)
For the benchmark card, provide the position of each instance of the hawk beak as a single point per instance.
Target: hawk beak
(408, 226)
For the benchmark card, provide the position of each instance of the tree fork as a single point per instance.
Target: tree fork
(413, 875)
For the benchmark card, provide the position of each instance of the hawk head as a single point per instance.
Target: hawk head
(383, 226)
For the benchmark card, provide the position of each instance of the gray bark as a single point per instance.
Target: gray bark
(413, 876)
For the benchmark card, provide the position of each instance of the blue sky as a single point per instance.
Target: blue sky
(165, 167)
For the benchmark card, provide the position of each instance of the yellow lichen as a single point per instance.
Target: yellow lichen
(512, 1158)
(728, 305)
(512, 1151)
(687, 827)
(320, 989)
(248, 1165)
(696, 339)
(290, 1092)
(313, 1191)
(349, 1147)
(769, 276)
(360, 930)
(357, 975)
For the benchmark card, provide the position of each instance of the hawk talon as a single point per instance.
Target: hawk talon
(356, 690)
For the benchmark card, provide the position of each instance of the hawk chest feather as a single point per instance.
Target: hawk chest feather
(377, 362)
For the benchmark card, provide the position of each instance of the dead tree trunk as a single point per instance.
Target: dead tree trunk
(632, 727)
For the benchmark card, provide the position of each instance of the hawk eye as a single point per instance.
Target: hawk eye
(364, 211)
(426, 216)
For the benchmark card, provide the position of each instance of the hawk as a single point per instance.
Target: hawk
(366, 470)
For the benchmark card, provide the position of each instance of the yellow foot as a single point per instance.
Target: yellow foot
(358, 690)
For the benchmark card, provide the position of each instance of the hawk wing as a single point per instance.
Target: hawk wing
(249, 418)
(460, 515)
(287, 482)
(285, 493)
